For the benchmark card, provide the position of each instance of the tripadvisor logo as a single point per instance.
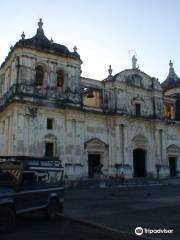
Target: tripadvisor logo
(139, 231)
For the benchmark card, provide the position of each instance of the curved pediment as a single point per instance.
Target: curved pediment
(95, 142)
(50, 136)
(173, 149)
(140, 139)
(135, 77)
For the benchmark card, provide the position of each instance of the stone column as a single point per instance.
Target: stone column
(15, 132)
(111, 150)
(157, 147)
(110, 155)
(161, 144)
(116, 145)
(164, 149)
(164, 169)
(10, 134)
(126, 146)
(121, 131)
(127, 157)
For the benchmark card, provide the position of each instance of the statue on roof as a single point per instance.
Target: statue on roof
(40, 23)
(170, 64)
(23, 36)
(134, 62)
(75, 48)
(110, 70)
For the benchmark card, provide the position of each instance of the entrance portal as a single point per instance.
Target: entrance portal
(49, 149)
(93, 164)
(139, 162)
(172, 166)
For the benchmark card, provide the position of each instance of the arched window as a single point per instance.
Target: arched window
(60, 79)
(39, 75)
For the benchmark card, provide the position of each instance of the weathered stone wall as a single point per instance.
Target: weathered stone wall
(78, 133)
(108, 127)
(21, 69)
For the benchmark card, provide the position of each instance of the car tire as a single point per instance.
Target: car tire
(52, 209)
(7, 219)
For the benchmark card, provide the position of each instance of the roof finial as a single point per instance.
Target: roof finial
(23, 36)
(40, 23)
(51, 41)
(172, 76)
(110, 70)
(134, 62)
(75, 48)
(171, 64)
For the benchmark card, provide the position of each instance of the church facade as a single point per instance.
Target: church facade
(128, 122)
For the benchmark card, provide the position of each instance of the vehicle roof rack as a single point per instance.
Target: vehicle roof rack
(29, 161)
(30, 158)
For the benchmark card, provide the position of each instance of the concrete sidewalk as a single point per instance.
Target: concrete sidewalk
(117, 183)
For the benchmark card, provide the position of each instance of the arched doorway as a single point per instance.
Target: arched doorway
(50, 145)
(172, 166)
(96, 151)
(139, 162)
(94, 164)
(173, 152)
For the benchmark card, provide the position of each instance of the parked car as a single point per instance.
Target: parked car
(29, 184)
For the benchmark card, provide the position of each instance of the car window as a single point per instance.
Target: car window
(50, 177)
(29, 179)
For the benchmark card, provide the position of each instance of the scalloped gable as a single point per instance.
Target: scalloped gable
(137, 78)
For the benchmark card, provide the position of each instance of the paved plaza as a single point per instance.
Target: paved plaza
(125, 208)
(122, 208)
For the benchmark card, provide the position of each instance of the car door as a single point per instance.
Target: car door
(26, 195)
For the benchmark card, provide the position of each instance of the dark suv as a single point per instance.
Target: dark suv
(28, 184)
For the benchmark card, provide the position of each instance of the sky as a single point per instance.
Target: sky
(106, 32)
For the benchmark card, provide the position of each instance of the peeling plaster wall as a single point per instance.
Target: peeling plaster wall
(77, 133)
(26, 135)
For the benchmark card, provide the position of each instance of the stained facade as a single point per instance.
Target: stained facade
(128, 122)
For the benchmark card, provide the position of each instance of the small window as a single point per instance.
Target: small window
(138, 109)
(49, 149)
(50, 123)
(39, 76)
(169, 111)
(60, 79)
